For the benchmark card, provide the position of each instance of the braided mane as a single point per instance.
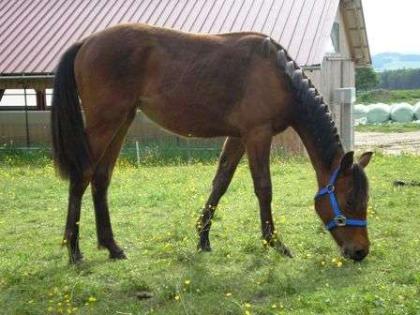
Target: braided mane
(312, 114)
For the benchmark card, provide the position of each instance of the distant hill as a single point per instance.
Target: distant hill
(394, 61)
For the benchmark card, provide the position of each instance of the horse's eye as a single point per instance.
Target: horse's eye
(349, 204)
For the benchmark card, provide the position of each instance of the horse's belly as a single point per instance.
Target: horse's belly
(189, 122)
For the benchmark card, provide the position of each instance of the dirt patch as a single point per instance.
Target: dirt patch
(391, 143)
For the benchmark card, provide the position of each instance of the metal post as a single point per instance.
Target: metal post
(138, 153)
(189, 150)
(28, 140)
(41, 101)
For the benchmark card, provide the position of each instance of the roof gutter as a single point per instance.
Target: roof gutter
(23, 81)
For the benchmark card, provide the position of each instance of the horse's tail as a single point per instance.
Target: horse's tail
(70, 145)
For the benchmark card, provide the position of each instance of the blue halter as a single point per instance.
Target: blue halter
(339, 218)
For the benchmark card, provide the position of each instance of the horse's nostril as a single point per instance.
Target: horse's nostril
(359, 254)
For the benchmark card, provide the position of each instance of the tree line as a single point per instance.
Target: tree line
(403, 79)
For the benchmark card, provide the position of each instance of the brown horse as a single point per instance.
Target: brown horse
(242, 86)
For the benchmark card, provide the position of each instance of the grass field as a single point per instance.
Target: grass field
(388, 96)
(389, 127)
(154, 208)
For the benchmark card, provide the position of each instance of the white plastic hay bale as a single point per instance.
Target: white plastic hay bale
(402, 113)
(416, 110)
(378, 113)
(360, 121)
(360, 111)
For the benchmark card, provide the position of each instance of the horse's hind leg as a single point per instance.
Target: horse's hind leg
(100, 134)
(100, 183)
(232, 153)
(71, 234)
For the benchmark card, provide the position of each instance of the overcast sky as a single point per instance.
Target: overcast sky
(393, 26)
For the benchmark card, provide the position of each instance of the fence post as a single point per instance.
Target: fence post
(345, 97)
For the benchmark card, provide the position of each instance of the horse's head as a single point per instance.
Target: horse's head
(342, 206)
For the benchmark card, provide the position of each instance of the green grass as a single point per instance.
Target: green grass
(154, 209)
(389, 127)
(389, 96)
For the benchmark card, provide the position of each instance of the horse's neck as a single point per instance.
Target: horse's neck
(323, 168)
(311, 119)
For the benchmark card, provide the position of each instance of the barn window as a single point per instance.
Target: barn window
(335, 37)
(18, 98)
(48, 96)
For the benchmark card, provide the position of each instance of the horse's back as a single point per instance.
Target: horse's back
(187, 83)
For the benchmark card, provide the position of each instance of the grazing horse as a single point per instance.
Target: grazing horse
(242, 86)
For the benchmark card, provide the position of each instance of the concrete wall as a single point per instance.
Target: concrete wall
(13, 131)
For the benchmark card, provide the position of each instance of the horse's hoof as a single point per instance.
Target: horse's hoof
(283, 249)
(117, 255)
(204, 247)
(76, 258)
(279, 247)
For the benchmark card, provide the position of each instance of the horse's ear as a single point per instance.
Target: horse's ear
(267, 46)
(346, 161)
(365, 159)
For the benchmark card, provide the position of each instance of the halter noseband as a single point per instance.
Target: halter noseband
(339, 218)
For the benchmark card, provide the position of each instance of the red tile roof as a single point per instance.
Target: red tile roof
(34, 33)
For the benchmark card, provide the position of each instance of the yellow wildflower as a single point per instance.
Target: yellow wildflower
(91, 299)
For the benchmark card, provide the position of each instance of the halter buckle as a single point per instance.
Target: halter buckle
(330, 188)
(340, 220)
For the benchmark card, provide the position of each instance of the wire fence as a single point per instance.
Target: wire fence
(23, 129)
(144, 153)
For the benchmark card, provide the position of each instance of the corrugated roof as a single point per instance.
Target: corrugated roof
(33, 34)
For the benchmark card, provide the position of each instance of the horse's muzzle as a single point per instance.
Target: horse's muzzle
(355, 253)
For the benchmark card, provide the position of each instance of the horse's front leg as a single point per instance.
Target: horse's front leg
(232, 153)
(258, 145)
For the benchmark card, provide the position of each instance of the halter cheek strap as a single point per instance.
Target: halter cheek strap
(339, 218)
